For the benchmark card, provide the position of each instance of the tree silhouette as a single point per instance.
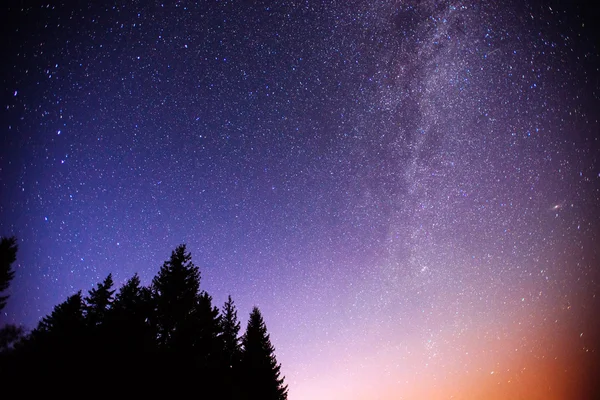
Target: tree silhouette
(9, 335)
(175, 292)
(129, 297)
(232, 351)
(259, 366)
(169, 332)
(124, 337)
(59, 344)
(206, 333)
(65, 323)
(231, 334)
(128, 319)
(97, 305)
(8, 255)
(99, 302)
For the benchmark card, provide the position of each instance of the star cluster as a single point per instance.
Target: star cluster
(409, 190)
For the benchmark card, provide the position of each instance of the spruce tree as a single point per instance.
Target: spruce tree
(8, 255)
(132, 342)
(259, 366)
(205, 334)
(99, 302)
(97, 306)
(175, 292)
(58, 344)
(128, 297)
(128, 319)
(231, 334)
(169, 332)
(232, 351)
(66, 318)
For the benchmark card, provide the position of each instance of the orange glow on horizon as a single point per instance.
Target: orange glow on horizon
(492, 371)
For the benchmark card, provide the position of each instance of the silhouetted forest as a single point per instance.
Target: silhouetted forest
(166, 336)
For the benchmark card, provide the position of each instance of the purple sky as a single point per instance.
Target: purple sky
(408, 190)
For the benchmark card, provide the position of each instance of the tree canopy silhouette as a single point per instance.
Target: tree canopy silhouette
(99, 302)
(8, 255)
(128, 319)
(65, 323)
(262, 377)
(231, 334)
(175, 293)
(10, 333)
(170, 332)
(232, 350)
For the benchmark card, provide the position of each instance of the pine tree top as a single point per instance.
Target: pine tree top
(259, 362)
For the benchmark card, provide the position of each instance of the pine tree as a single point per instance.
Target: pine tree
(99, 302)
(131, 311)
(130, 336)
(175, 292)
(58, 343)
(96, 309)
(8, 255)
(169, 332)
(259, 366)
(129, 296)
(66, 319)
(232, 351)
(231, 334)
(205, 334)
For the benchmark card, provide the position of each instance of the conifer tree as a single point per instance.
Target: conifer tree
(175, 292)
(8, 255)
(169, 332)
(58, 343)
(99, 302)
(131, 310)
(128, 297)
(10, 333)
(231, 334)
(66, 318)
(97, 306)
(232, 351)
(259, 366)
(206, 335)
(131, 339)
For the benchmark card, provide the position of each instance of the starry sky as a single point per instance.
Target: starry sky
(409, 190)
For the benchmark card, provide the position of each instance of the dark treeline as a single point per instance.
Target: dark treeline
(169, 333)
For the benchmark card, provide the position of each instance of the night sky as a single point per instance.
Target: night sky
(409, 190)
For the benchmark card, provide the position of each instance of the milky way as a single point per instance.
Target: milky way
(408, 190)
